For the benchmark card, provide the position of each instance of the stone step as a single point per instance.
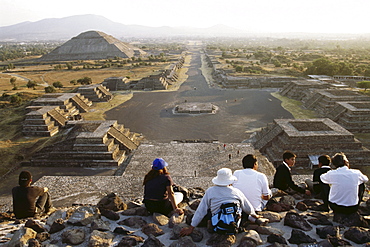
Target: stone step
(51, 132)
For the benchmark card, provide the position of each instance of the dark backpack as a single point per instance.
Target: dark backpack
(227, 220)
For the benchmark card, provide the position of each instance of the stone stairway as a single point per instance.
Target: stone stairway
(38, 122)
(95, 93)
(59, 118)
(267, 135)
(124, 139)
(312, 102)
(82, 103)
(50, 112)
(87, 144)
(287, 88)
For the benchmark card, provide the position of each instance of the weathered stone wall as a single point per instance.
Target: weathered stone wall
(309, 137)
(89, 144)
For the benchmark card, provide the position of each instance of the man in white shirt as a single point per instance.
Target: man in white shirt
(345, 193)
(252, 183)
(215, 196)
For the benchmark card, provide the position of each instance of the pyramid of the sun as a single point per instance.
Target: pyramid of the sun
(93, 45)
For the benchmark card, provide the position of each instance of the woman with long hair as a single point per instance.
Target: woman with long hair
(159, 196)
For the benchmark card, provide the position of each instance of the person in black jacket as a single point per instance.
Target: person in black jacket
(283, 177)
(319, 188)
(30, 201)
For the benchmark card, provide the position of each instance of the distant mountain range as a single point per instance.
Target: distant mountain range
(62, 29)
(68, 27)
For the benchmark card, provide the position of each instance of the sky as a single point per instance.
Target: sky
(313, 16)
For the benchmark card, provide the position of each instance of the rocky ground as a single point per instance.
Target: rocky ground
(192, 165)
(293, 221)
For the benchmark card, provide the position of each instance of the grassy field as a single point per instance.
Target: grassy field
(295, 107)
(45, 75)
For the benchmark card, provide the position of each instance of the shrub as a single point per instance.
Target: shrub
(85, 81)
(15, 99)
(31, 84)
(50, 89)
(57, 84)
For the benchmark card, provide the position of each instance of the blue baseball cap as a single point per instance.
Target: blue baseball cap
(159, 164)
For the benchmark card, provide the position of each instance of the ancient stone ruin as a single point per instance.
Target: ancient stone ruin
(89, 144)
(116, 83)
(159, 81)
(93, 45)
(52, 111)
(195, 108)
(297, 89)
(220, 75)
(348, 108)
(306, 137)
(352, 115)
(152, 82)
(323, 101)
(95, 93)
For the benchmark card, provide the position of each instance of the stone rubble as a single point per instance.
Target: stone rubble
(85, 225)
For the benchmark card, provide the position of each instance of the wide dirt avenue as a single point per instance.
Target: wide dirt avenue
(241, 111)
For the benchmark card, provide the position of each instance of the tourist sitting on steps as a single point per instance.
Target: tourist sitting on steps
(159, 196)
(222, 193)
(252, 183)
(346, 185)
(320, 189)
(283, 177)
(30, 201)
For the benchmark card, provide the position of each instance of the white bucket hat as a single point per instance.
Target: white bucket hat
(224, 177)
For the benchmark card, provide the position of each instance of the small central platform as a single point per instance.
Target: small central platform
(195, 108)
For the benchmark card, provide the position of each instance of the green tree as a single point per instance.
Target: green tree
(367, 72)
(363, 84)
(15, 99)
(57, 84)
(276, 63)
(12, 81)
(73, 82)
(85, 81)
(69, 66)
(345, 68)
(50, 89)
(58, 67)
(31, 84)
(322, 66)
(239, 68)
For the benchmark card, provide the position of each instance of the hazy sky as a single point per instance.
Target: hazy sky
(322, 16)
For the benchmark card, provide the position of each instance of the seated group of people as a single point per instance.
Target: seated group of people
(341, 190)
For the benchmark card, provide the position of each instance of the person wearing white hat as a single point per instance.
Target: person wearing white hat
(215, 196)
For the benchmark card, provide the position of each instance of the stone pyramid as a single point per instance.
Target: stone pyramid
(92, 45)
